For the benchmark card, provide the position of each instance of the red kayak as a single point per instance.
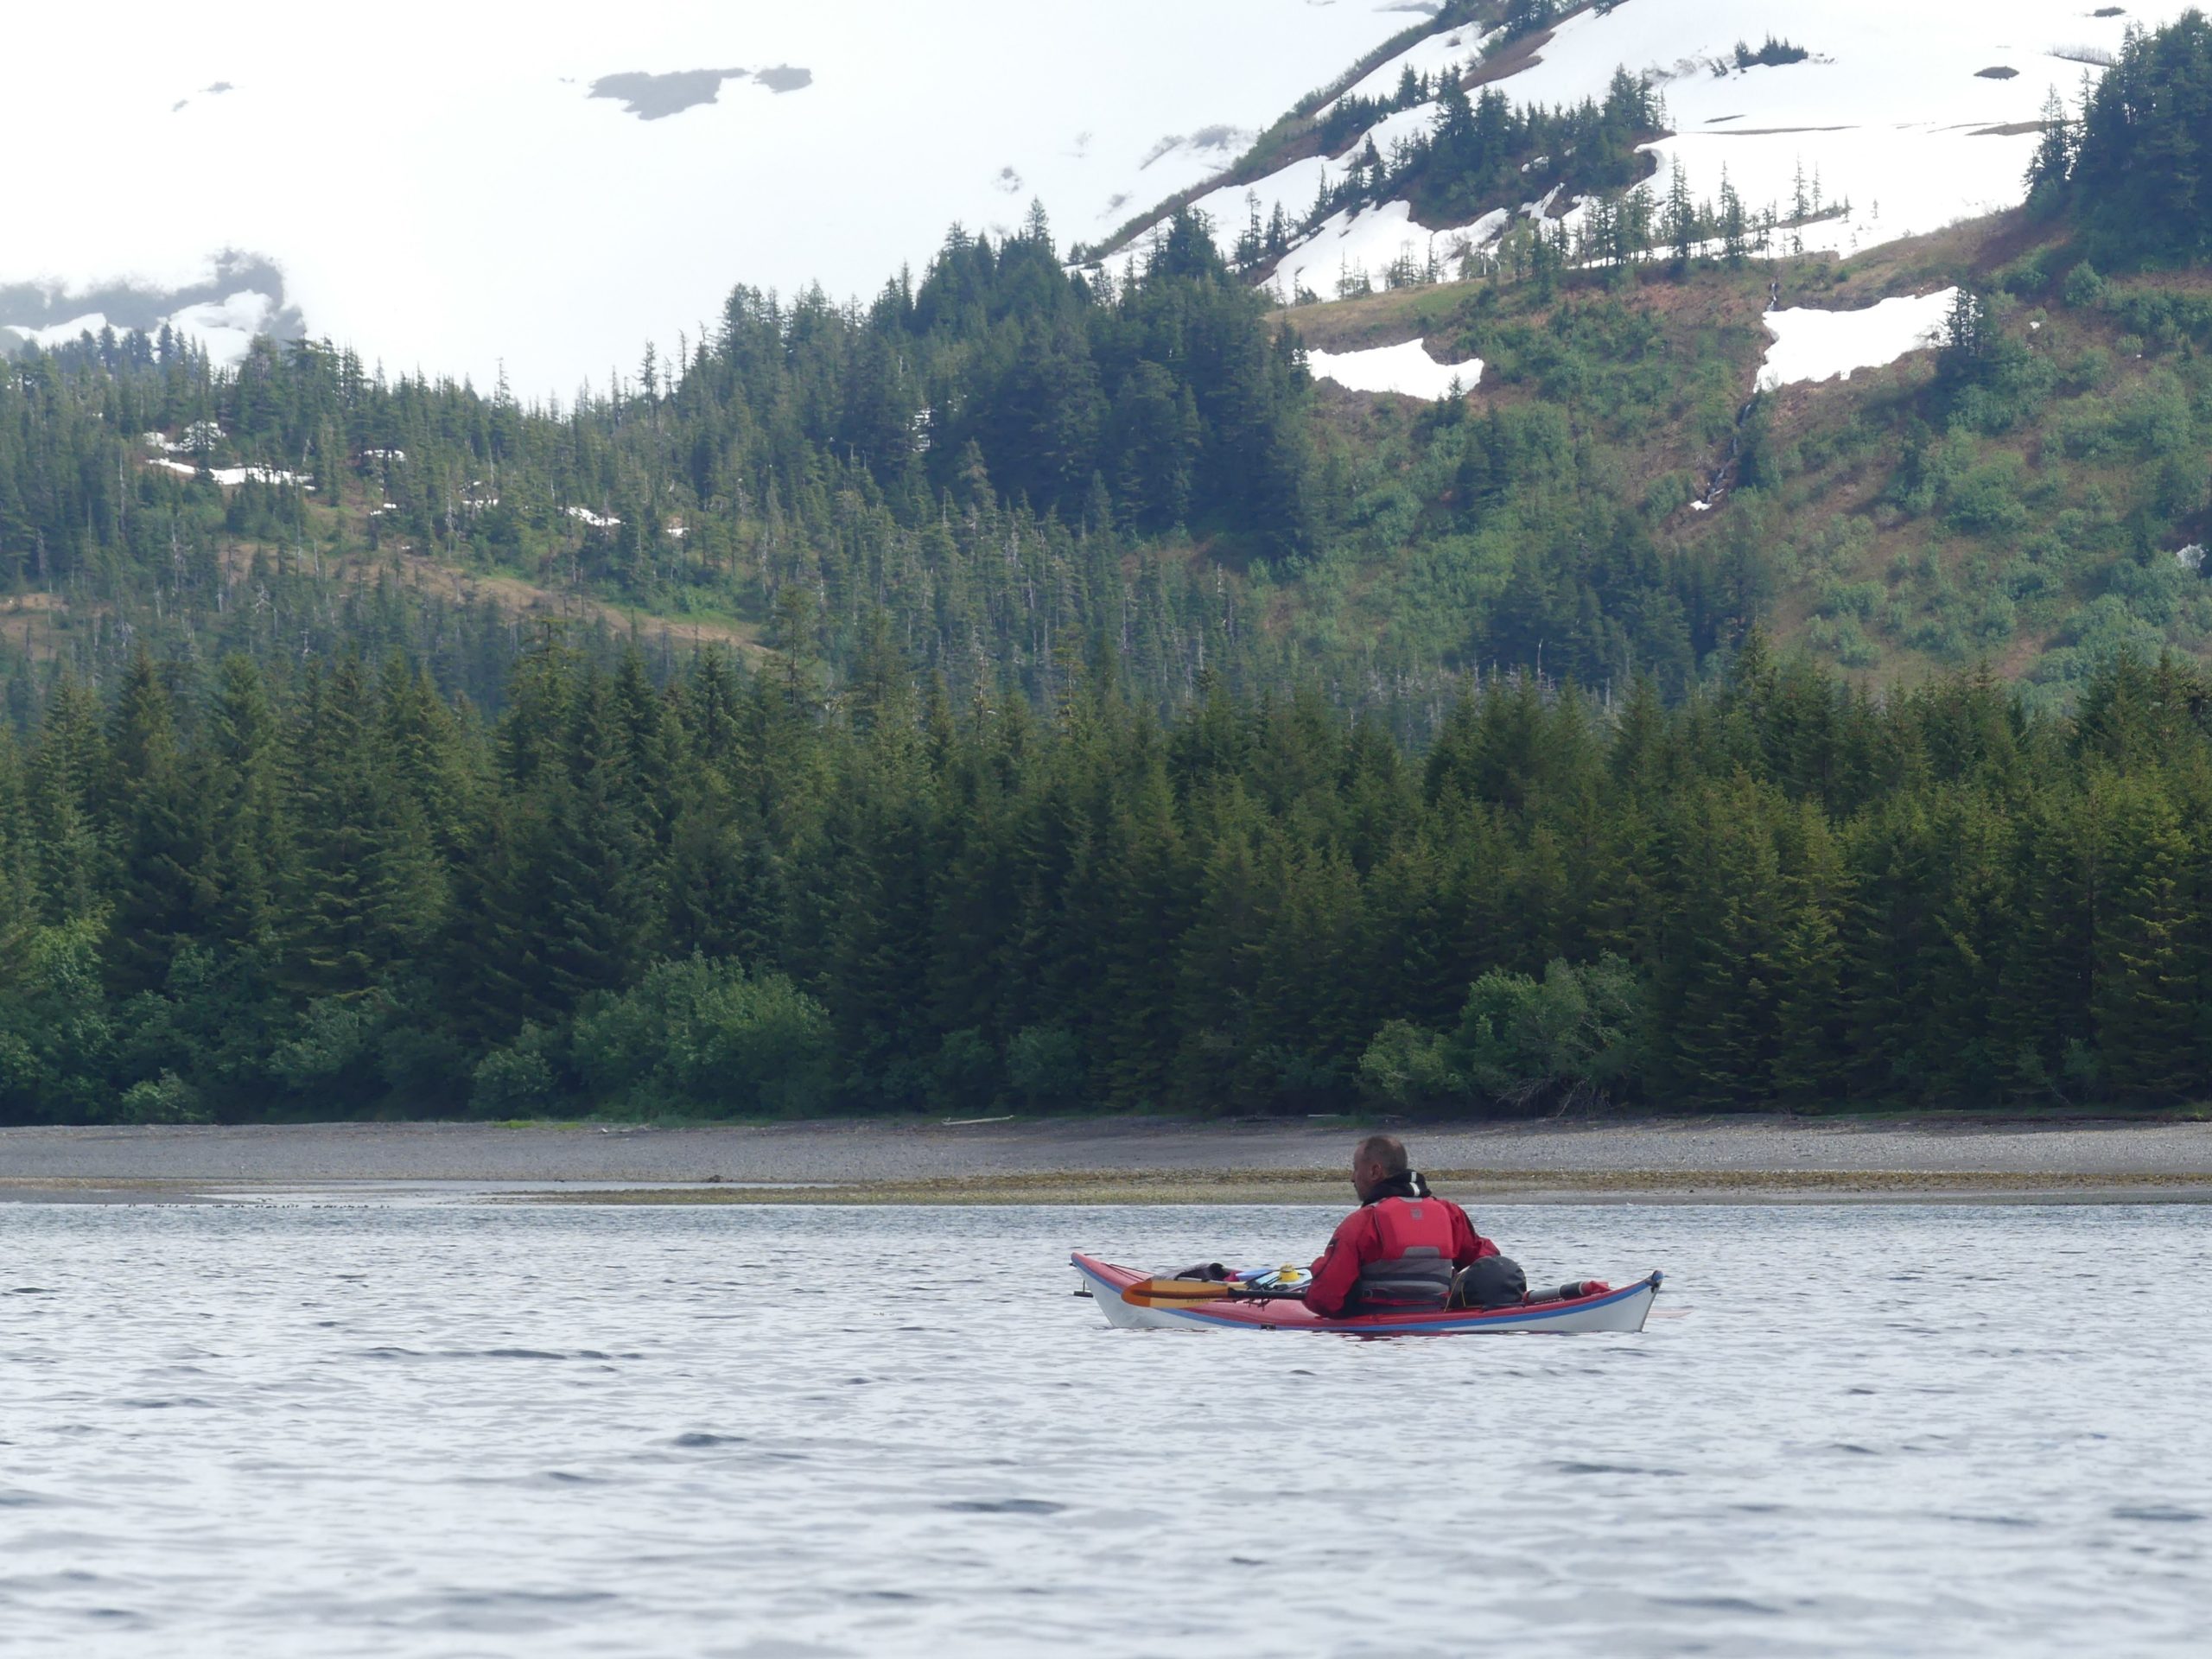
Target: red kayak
(1608, 1310)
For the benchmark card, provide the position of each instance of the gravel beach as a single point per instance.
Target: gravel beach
(1089, 1159)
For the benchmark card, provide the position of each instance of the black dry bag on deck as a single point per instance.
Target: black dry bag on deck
(1494, 1281)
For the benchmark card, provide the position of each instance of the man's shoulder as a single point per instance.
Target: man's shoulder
(1360, 1220)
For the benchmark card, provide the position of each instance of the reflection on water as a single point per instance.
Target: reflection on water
(789, 1432)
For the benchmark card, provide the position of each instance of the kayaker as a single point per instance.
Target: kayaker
(1402, 1247)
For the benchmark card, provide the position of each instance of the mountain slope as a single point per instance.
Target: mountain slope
(1016, 474)
(1839, 126)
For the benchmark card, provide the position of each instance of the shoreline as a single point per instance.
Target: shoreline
(1109, 1161)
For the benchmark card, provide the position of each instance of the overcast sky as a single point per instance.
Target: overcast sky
(442, 193)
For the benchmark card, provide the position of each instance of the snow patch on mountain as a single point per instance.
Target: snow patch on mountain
(234, 300)
(1428, 58)
(58, 333)
(1405, 368)
(1890, 114)
(226, 326)
(1219, 144)
(231, 477)
(1348, 244)
(1813, 344)
(1890, 123)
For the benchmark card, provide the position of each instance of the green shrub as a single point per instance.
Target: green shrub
(336, 1041)
(1843, 639)
(2151, 587)
(2029, 274)
(1669, 492)
(1575, 1038)
(2089, 429)
(1858, 599)
(166, 1099)
(57, 1035)
(1575, 1032)
(1986, 501)
(2153, 419)
(1044, 1066)
(2095, 635)
(2084, 288)
(2084, 370)
(1995, 619)
(704, 1035)
(1405, 1065)
(967, 1071)
(2177, 490)
(516, 1081)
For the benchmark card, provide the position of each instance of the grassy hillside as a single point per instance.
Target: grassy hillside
(2023, 509)
(2024, 504)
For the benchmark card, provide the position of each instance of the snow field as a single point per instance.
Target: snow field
(227, 327)
(1889, 114)
(231, 477)
(1406, 368)
(1429, 56)
(1349, 243)
(1812, 346)
(224, 329)
(60, 334)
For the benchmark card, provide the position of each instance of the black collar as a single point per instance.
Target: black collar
(1407, 1185)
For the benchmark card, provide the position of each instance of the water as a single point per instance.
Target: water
(547, 1431)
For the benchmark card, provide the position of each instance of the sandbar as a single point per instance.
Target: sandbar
(1085, 1160)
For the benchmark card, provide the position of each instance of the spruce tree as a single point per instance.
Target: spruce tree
(2150, 967)
(66, 780)
(18, 893)
(238, 778)
(160, 835)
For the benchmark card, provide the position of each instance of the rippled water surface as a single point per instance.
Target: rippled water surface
(475, 1430)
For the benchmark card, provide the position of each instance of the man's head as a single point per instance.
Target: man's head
(1375, 1162)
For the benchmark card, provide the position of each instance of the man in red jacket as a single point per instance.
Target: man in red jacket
(1401, 1248)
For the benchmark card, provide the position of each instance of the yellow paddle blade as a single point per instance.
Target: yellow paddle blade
(1146, 1292)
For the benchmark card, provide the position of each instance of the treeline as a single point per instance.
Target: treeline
(240, 892)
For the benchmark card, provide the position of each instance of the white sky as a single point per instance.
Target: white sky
(442, 194)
